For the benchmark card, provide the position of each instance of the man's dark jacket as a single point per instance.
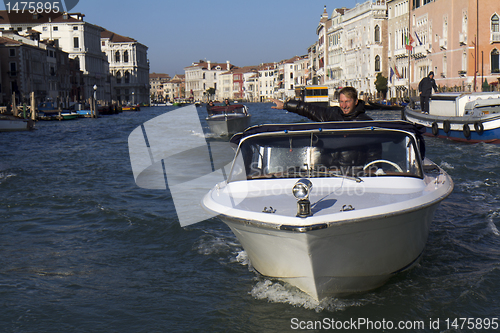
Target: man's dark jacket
(319, 113)
(426, 85)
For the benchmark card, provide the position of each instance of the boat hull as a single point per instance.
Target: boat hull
(488, 131)
(14, 125)
(342, 259)
(333, 252)
(227, 124)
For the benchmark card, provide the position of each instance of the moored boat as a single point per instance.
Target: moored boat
(10, 123)
(382, 106)
(57, 115)
(468, 117)
(227, 120)
(131, 108)
(331, 208)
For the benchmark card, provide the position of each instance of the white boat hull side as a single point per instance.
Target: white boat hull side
(13, 125)
(344, 259)
(228, 125)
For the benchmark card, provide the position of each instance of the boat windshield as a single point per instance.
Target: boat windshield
(327, 154)
(229, 109)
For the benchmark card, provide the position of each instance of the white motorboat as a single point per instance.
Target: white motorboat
(227, 120)
(469, 117)
(10, 123)
(331, 208)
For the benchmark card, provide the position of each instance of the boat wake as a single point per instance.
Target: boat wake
(446, 165)
(277, 292)
(214, 243)
(5, 176)
(491, 223)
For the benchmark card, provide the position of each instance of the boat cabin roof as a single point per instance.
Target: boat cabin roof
(414, 129)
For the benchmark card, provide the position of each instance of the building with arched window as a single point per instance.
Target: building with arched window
(357, 47)
(129, 67)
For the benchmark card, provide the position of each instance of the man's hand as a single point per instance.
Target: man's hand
(279, 104)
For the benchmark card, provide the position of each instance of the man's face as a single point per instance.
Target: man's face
(431, 76)
(347, 104)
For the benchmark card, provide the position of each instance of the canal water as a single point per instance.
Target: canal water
(84, 249)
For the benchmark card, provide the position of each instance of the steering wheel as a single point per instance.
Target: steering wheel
(383, 161)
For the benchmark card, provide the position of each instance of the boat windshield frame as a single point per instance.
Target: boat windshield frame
(384, 155)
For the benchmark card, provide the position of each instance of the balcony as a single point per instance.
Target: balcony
(443, 43)
(495, 37)
(421, 51)
(400, 53)
(401, 82)
(462, 38)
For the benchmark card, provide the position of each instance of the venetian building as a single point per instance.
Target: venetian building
(335, 63)
(322, 49)
(129, 66)
(268, 81)
(70, 33)
(158, 89)
(398, 54)
(175, 88)
(312, 65)
(203, 75)
(300, 71)
(464, 41)
(364, 46)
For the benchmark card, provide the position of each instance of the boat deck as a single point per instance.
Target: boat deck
(332, 199)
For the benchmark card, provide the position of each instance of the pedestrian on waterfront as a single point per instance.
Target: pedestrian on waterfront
(350, 108)
(425, 87)
(226, 101)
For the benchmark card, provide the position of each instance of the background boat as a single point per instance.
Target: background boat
(467, 117)
(227, 120)
(10, 123)
(382, 106)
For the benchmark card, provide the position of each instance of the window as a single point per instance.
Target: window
(55, 28)
(495, 61)
(76, 43)
(117, 56)
(75, 27)
(494, 24)
(377, 34)
(13, 69)
(127, 77)
(125, 56)
(377, 64)
(19, 29)
(118, 79)
(12, 52)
